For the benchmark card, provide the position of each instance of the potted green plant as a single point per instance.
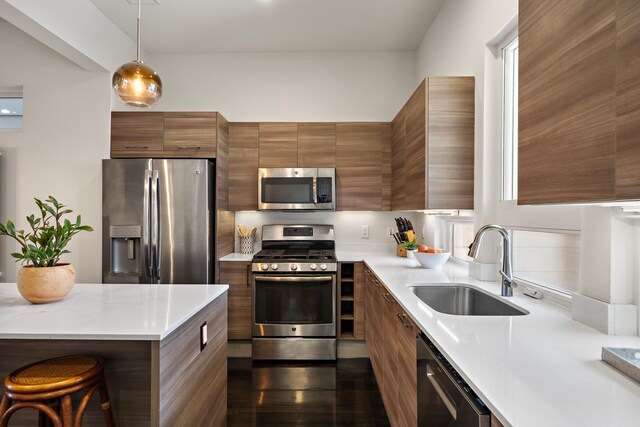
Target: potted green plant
(42, 278)
(410, 247)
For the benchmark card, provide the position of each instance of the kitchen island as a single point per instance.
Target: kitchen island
(149, 336)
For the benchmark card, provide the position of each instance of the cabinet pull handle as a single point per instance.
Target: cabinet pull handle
(136, 147)
(249, 275)
(186, 147)
(385, 298)
(376, 283)
(401, 318)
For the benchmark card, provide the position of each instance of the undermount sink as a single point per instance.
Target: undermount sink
(464, 300)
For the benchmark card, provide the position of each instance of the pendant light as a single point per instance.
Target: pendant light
(137, 84)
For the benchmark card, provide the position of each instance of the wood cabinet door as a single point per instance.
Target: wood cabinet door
(398, 171)
(450, 144)
(358, 145)
(278, 145)
(390, 359)
(238, 276)
(567, 101)
(136, 134)
(316, 145)
(628, 99)
(359, 188)
(406, 372)
(190, 134)
(243, 166)
(369, 317)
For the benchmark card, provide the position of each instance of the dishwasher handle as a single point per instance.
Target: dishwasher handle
(451, 406)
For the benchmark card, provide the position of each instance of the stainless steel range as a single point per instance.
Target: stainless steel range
(294, 293)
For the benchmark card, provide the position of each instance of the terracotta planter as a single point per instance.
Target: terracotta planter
(46, 284)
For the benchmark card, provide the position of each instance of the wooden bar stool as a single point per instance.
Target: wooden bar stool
(38, 384)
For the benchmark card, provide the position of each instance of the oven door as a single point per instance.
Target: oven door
(296, 189)
(294, 305)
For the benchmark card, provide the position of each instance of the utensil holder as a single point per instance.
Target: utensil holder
(246, 245)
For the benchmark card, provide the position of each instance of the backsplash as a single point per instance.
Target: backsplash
(347, 227)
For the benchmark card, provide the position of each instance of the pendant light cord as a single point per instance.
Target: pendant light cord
(138, 31)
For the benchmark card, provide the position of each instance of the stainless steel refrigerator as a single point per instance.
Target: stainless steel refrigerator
(158, 221)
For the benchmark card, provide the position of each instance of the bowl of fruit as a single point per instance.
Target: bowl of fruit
(431, 257)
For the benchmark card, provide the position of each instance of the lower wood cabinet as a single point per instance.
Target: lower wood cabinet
(238, 276)
(390, 337)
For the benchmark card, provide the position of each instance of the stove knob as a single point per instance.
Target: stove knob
(313, 266)
(264, 267)
(294, 267)
(274, 266)
(323, 266)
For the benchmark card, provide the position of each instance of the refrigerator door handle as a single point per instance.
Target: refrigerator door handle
(146, 223)
(155, 224)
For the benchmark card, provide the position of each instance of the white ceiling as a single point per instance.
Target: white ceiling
(199, 26)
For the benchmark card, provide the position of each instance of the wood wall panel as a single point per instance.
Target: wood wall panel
(222, 163)
(238, 276)
(398, 172)
(138, 134)
(567, 107)
(316, 145)
(225, 237)
(193, 382)
(243, 166)
(190, 134)
(415, 149)
(450, 166)
(358, 145)
(278, 145)
(628, 99)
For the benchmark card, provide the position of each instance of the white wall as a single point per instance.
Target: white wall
(59, 150)
(287, 86)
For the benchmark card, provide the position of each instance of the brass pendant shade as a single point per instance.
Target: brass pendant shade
(137, 84)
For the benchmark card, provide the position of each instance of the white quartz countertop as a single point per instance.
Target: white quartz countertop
(541, 369)
(237, 257)
(104, 312)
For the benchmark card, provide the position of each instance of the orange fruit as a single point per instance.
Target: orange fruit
(423, 248)
(431, 250)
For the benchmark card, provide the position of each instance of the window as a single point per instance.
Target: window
(550, 259)
(11, 107)
(510, 120)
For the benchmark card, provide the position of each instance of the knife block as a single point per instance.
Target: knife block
(401, 251)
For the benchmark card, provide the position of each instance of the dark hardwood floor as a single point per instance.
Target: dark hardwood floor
(342, 393)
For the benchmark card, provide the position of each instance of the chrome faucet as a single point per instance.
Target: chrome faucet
(507, 269)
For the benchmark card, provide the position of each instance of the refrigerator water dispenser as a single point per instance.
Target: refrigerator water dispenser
(125, 249)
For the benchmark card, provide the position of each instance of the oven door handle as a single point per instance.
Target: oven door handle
(292, 279)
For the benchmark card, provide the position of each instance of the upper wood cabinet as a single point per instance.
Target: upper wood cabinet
(136, 134)
(278, 145)
(579, 101)
(165, 134)
(243, 166)
(316, 145)
(362, 166)
(432, 146)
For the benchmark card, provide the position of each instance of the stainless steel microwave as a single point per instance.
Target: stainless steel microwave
(283, 189)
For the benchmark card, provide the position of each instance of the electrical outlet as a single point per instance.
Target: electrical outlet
(389, 230)
(364, 231)
(203, 336)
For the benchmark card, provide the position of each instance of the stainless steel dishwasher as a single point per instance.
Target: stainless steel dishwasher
(444, 399)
